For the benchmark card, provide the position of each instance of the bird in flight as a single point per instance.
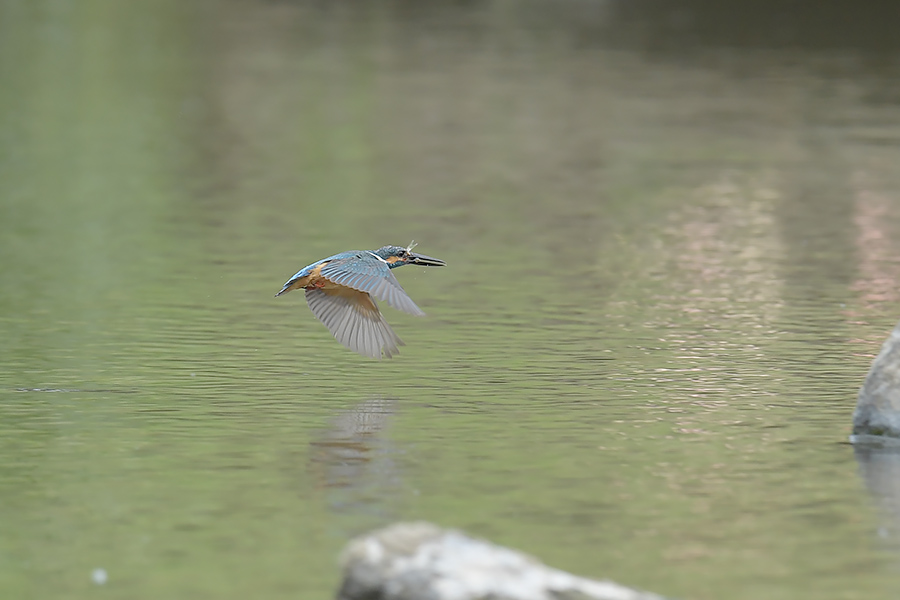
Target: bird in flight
(340, 290)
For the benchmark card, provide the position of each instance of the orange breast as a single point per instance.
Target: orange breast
(315, 280)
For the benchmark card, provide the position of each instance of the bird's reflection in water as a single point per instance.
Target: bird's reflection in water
(880, 470)
(353, 461)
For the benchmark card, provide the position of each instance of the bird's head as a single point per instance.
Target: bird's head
(397, 256)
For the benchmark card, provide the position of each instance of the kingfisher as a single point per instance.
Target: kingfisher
(339, 292)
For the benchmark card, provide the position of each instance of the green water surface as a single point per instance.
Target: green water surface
(666, 278)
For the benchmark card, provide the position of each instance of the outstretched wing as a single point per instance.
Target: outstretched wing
(365, 272)
(354, 320)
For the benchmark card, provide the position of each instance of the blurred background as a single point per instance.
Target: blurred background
(671, 230)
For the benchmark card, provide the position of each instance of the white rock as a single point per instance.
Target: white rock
(421, 561)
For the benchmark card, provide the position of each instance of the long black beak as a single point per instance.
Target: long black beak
(424, 261)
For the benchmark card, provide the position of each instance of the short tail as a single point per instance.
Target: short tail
(287, 288)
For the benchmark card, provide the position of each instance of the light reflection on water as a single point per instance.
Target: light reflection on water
(665, 282)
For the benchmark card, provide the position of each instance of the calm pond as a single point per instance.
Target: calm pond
(670, 262)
